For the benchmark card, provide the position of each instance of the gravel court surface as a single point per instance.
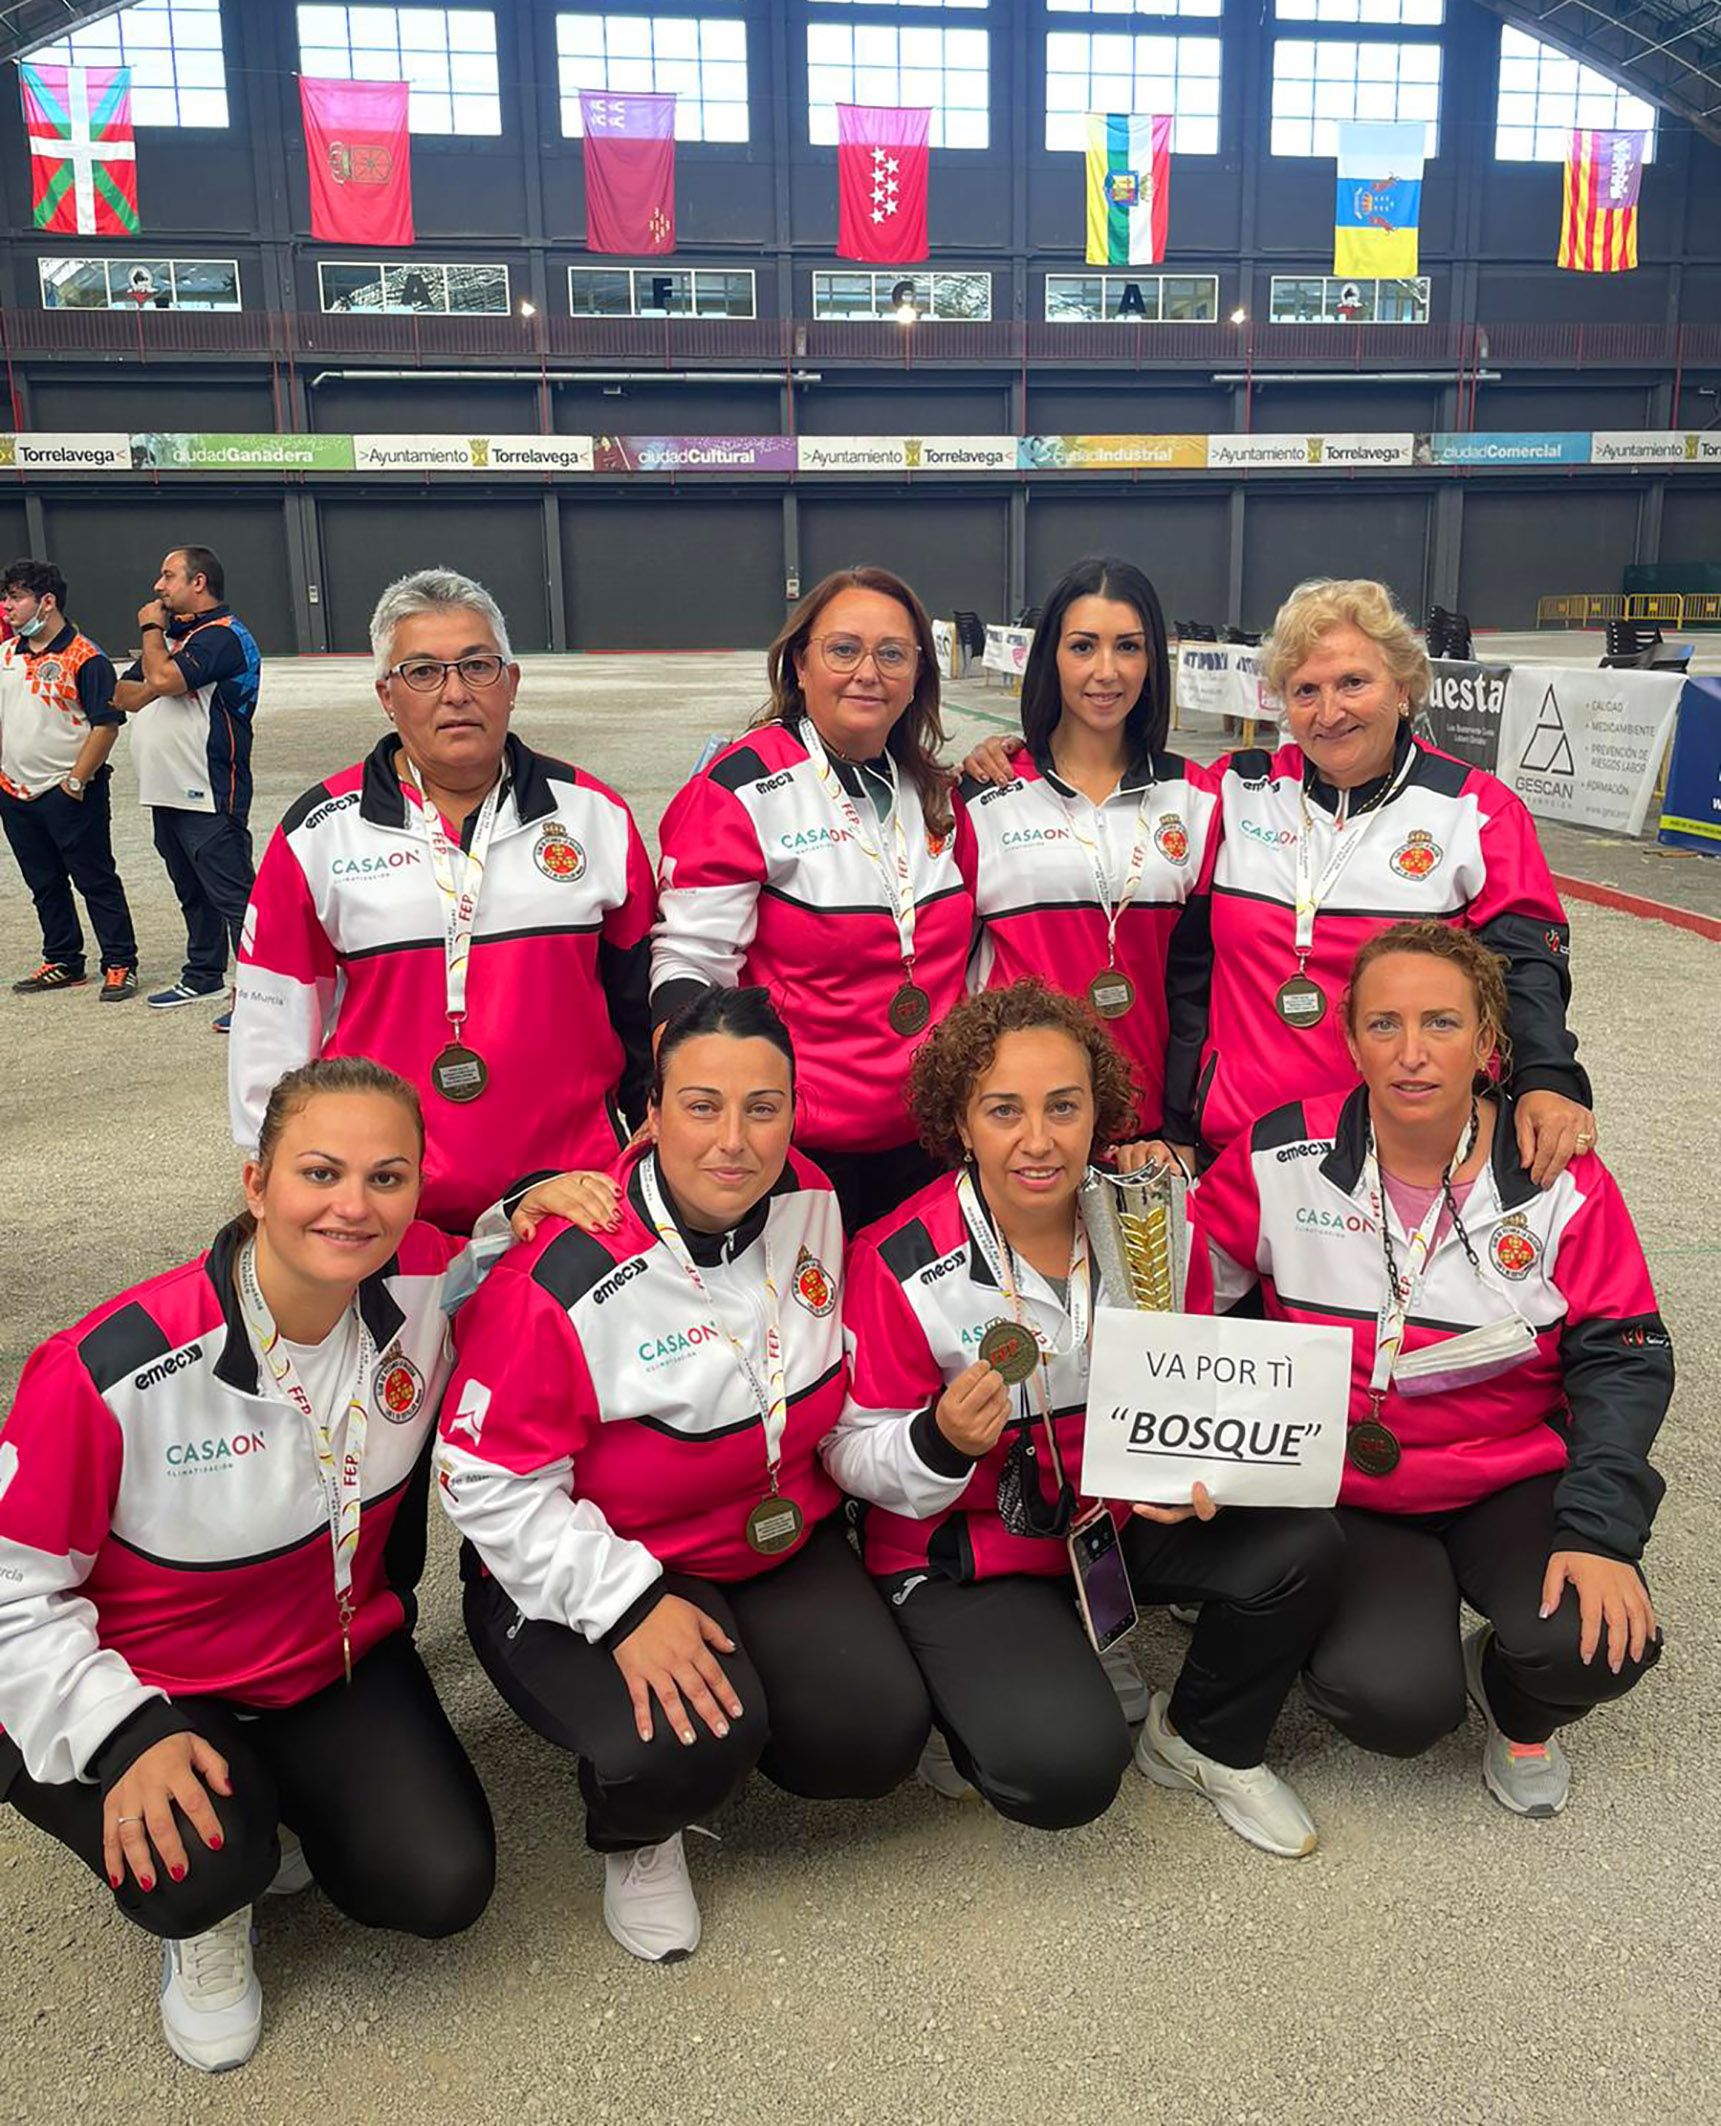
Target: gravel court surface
(913, 1959)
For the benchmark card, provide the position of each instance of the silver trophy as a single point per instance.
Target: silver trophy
(1138, 1234)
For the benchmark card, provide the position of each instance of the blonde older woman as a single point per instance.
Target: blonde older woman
(1354, 825)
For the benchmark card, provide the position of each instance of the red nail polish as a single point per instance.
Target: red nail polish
(148, 1883)
(178, 1874)
(216, 1842)
(116, 1882)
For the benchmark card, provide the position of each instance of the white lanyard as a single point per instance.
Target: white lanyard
(996, 1252)
(772, 1393)
(1094, 847)
(1402, 1296)
(459, 875)
(342, 1476)
(901, 896)
(1312, 892)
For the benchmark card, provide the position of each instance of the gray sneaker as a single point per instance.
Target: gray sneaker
(1529, 1778)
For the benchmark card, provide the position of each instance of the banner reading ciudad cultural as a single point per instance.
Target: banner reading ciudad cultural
(882, 159)
(1128, 189)
(630, 172)
(1598, 220)
(1378, 205)
(358, 154)
(83, 158)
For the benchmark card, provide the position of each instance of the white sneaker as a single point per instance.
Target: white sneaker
(648, 1902)
(1187, 1614)
(1256, 1803)
(211, 2003)
(1529, 1778)
(937, 1769)
(294, 1873)
(1127, 1680)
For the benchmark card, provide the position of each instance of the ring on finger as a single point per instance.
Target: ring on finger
(126, 1819)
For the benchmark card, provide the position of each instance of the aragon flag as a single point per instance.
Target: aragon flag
(83, 159)
(1129, 188)
(1598, 225)
(359, 157)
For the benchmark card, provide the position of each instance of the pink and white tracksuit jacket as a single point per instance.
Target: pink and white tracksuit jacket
(761, 882)
(1038, 902)
(163, 1530)
(1452, 844)
(343, 954)
(920, 1297)
(599, 1431)
(1287, 1208)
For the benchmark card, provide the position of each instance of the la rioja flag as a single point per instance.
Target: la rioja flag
(881, 184)
(359, 157)
(83, 160)
(630, 172)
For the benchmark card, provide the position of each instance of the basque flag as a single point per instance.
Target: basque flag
(1379, 201)
(358, 153)
(1598, 227)
(83, 159)
(881, 183)
(630, 172)
(1129, 189)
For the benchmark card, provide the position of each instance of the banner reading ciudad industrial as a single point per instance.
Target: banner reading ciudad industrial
(1116, 453)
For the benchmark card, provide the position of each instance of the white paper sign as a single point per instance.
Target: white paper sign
(1255, 1410)
(1583, 744)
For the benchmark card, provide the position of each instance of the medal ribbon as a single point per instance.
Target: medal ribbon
(459, 875)
(770, 1393)
(342, 1476)
(900, 895)
(1313, 892)
(1401, 1296)
(1094, 848)
(995, 1250)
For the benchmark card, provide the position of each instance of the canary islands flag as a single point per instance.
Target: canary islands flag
(1379, 200)
(1129, 189)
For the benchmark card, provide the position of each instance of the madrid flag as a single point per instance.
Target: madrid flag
(1598, 227)
(881, 184)
(359, 155)
(83, 160)
(630, 172)
(1129, 189)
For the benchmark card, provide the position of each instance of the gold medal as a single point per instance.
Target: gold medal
(459, 1073)
(775, 1525)
(1010, 1349)
(910, 1009)
(1301, 1003)
(1371, 1448)
(1111, 993)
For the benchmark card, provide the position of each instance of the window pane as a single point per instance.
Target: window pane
(481, 289)
(351, 287)
(147, 36)
(1545, 95)
(434, 49)
(1352, 80)
(945, 71)
(593, 293)
(701, 62)
(1179, 75)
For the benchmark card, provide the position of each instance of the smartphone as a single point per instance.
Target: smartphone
(1102, 1586)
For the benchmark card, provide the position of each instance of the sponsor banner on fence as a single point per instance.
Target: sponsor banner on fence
(531, 453)
(1465, 705)
(1255, 1410)
(906, 453)
(1119, 453)
(1691, 810)
(1651, 446)
(1007, 649)
(412, 453)
(693, 454)
(1220, 679)
(1584, 745)
(1551, 447)
(40, 452)
(1246, 451)
(241, 453)
(1355, 450)
(481, 454)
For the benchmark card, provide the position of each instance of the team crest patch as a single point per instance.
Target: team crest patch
(1171, 838)
(1515, 1249)
(558, 855)
(398, 1391)
(813, 1287)
(1418, 855)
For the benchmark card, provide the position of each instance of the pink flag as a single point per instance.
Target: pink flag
(358, 152)
(630, 172)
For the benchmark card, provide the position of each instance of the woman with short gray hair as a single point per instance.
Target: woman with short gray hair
(469, 912)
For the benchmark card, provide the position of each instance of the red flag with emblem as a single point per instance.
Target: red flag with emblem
(359, 156)
(881, 184)
(630, 172)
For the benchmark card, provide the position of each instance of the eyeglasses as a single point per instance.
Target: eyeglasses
(428, 675)
(891, 658)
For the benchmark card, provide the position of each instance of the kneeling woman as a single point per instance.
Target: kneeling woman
(212, 1498)
(1509, 1377)
(657, 1575)
(969, 1480)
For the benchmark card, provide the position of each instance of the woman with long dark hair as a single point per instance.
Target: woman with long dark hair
(816, 857)
(1083, 864)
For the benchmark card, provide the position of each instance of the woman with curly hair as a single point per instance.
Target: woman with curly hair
(968, 1315)
(816, 858)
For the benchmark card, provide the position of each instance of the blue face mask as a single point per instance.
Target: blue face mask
(30, 629)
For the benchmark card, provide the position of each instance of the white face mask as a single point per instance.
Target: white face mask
(31, 628)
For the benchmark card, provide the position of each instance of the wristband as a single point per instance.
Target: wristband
(153, 627)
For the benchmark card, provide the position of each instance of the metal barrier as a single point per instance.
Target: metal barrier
(1592, 609)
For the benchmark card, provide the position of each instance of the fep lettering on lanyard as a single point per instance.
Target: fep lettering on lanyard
(342, 1476)
(1111, 992)
(1301, 1002)
(910, 1007)
(458, 1072)
(776, 1522)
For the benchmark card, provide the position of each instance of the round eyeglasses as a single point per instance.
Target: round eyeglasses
(891, 658)
(428, 675)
